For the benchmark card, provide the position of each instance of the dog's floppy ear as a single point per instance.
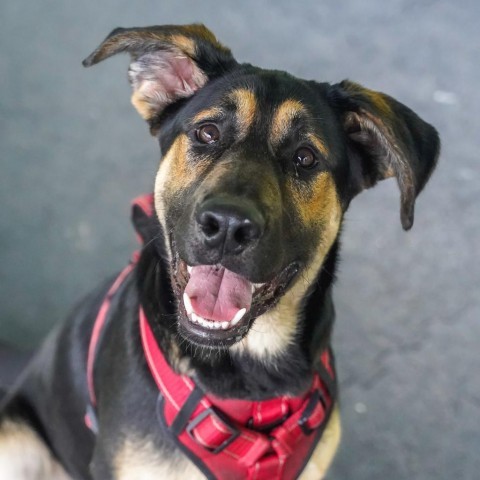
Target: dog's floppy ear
(168, 62)
(386, 139)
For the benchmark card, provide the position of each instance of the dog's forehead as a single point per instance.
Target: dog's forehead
(275, 98)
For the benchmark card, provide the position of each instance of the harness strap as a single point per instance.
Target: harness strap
(142, 208)
(98, 328)
(195, 420)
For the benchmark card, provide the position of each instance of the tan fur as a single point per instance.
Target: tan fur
(174, 174)
(379, 100)
(315, 202)
(246, 110)
(24, 456)
(197, 30)
(283, 117)
(141, 104)
(163, 176)
(324, 452)
(138, 459)
(246, 104)
(282, 120)
(185, 39)
(319, 144)
(208, 114)
(320, 209)
(272, 332)
(187, 45)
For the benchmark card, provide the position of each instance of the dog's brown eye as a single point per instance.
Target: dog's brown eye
(305, 158)
(208, 133)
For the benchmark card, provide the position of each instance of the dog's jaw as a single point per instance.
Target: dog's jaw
(264, 299)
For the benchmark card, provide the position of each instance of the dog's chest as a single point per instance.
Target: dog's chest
(139, 459)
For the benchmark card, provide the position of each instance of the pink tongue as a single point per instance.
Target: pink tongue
(217, 293)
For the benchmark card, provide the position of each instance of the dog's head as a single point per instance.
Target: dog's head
(257, 172)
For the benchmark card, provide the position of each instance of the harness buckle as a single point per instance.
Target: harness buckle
(316, 401)
(216, 417)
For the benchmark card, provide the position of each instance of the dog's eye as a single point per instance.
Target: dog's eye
(305, 158)
(208, 133)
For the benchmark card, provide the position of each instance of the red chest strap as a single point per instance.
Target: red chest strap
(222, 436)
(142, 208)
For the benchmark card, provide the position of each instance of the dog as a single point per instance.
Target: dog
(210, 355)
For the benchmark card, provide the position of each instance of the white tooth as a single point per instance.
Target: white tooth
(203, 322)
(253, 288)
(217, 325)
(238, 316)
(225, 325)
(194, 318)
(189, 269)
(187, 303)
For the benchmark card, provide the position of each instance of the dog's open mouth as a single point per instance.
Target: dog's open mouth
(217, 306)
(216, 297)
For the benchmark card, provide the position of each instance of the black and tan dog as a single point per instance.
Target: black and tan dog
(235, 276)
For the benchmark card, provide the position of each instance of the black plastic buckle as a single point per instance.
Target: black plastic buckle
(269, 426)
(199, 419)
(315, 399)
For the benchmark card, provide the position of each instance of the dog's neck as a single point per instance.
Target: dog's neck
(284, 369)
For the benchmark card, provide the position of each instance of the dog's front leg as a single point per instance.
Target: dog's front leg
(24, 455)
(324, 453)
(140, 457)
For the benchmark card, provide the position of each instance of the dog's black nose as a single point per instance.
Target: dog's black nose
(229, 224)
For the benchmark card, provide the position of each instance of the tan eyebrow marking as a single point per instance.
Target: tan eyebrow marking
(246, 105)
(207, 114)
(318, 143)
(283, 118)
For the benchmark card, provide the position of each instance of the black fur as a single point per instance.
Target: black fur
(53, 394)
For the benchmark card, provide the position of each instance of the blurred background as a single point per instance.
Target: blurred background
(74, 153)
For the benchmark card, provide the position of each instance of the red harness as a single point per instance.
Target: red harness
(228, 439)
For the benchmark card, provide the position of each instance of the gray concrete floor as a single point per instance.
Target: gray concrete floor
(73, 154)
